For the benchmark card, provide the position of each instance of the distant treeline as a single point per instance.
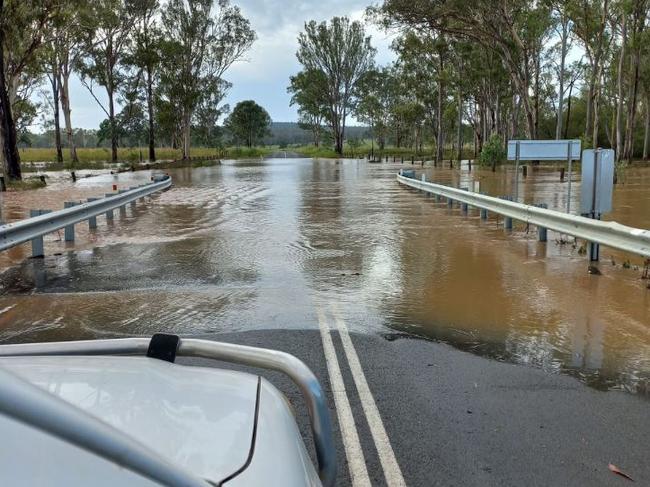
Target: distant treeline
(282, 134)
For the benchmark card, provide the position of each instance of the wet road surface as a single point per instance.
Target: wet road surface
(251, 251)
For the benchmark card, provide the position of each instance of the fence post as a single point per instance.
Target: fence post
(69, 230)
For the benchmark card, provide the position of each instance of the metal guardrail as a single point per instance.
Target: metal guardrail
(34, 228)
(143, 462)
(610, 234)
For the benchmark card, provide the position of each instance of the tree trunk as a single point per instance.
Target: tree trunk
(64, 94)
(152, 135)
(186, 134)
(439, 115)
(111, 119)
(633, 89)
(619, 90)
(10, 155)
(563, 54)
(646, 139)
(54, 81)
(459, 141)
(568, 112)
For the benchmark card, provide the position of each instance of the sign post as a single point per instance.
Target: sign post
(544, 150)
(597, 188)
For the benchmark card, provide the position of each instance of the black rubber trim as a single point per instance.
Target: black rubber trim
(163, 347)
(252, 449)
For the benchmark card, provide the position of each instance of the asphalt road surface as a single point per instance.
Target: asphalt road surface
(453, 418)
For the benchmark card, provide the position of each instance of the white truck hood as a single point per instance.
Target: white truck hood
(199, 418)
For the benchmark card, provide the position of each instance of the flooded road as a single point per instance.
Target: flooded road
(260, 244)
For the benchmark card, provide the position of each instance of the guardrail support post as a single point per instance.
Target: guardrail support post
(134, 201)
(109, 213)
(542, 233)
(594, 252)
(484, 214)
(507, 221)
(37, 243)
(69, 230)
(3, 186)
(450, 203)
(92, 221)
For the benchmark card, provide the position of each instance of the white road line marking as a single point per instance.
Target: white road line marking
(392, 471)
(353, 452)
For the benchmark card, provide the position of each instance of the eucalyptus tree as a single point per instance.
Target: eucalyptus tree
(145, 57)
(591, 20)
(342, 52)
(514, 30)
(308, 90)
(248, 123)
(202, 39)
(24, 27)
(107, 26)
(377, 96)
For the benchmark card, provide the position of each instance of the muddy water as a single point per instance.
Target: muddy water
(263, 244)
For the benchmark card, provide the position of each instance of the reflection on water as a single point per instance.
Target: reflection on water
(257, 244)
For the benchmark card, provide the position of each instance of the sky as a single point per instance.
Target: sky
(263, 74)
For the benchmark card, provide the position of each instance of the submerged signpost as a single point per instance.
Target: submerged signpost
(544, 150)
(597, 188)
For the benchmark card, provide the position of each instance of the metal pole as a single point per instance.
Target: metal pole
(37, 243)
(594, 248)
(570, 163)
(92, 221)
(517, 171)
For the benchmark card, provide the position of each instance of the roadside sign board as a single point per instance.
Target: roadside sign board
(544, 150)
(597, 181)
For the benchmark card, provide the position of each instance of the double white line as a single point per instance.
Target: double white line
(351, 444)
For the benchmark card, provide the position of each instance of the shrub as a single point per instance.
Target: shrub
(493, 152)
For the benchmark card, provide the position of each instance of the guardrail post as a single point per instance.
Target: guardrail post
(37, 243)
(484, 212)
(450, 203)
(69, 230)
(92, 221)
(464, 206)
(134, 201)
(3, 186)
(507, 221)
(109, 213)
(123, 207)
(542, 233)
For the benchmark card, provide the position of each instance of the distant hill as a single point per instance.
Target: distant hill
(289, 133)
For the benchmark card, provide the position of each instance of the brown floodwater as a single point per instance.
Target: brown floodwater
(260, 244)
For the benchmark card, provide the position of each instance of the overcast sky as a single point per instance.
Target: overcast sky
(264, 74)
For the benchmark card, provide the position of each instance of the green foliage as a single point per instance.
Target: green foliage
(493, 152)
(341, 52)
(248, 123)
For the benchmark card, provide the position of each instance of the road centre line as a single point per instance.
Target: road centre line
(349, 434)
(392, 471)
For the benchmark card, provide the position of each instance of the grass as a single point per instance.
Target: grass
(25, 184)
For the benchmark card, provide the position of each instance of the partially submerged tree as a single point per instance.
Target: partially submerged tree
(309, 91)
(341, 52)
(248, 123)
(203, 38)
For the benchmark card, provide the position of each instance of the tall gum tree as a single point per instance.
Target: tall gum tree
(203, 38)
(342, 52)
